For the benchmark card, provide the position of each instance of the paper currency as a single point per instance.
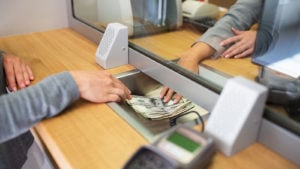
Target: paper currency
(154, 108)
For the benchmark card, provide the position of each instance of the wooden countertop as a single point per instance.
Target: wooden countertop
(88, 135)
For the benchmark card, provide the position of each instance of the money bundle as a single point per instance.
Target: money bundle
(154, 108)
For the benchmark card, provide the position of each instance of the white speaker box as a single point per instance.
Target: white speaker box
(113, 47)
(235, 120)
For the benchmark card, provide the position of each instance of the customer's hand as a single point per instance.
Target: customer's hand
(186, 62)
(18, 72)
(189, 60)
(100, 86)
(243, 44)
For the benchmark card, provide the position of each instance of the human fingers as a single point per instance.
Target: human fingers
(238, 52)
(113, 87)
(29, 72)
(233, 39)
(122, 92)
(18, 72)
(107, 95)
(116, 95)
(244, 53)
(246, 42)
(13, 71)
(234, 50)
(177, 98)
(163, 92)
(243, 48)
(123, 87)
(10, 78)
(21, 74)
(230, 40)
(168, 96)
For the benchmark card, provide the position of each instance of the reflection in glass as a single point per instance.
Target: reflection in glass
(143, 17)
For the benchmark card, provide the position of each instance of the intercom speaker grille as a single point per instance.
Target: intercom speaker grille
(108, 38)
(113, 47)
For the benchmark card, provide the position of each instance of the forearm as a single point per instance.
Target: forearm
(22, 109)
(198, 52)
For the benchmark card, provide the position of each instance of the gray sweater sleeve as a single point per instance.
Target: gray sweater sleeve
(22, 109)
(242, 15)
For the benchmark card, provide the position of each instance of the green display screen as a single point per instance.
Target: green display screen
(183, 142)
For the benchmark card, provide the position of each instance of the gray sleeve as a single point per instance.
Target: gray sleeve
(242, 15)
(22, 109)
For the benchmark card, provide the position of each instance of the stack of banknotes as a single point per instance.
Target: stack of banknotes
(155, 109)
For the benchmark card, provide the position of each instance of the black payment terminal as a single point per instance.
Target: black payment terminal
(179, 148)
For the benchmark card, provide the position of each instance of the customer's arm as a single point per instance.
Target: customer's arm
(22, 109)
(242, 15)
(189, 60)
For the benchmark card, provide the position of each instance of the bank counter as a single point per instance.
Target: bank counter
(91, 136)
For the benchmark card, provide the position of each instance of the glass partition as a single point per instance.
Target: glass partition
(158, 28)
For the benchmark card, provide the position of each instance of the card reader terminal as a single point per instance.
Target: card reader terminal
(179, 148)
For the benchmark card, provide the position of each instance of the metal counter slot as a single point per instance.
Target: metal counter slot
(141, 84)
